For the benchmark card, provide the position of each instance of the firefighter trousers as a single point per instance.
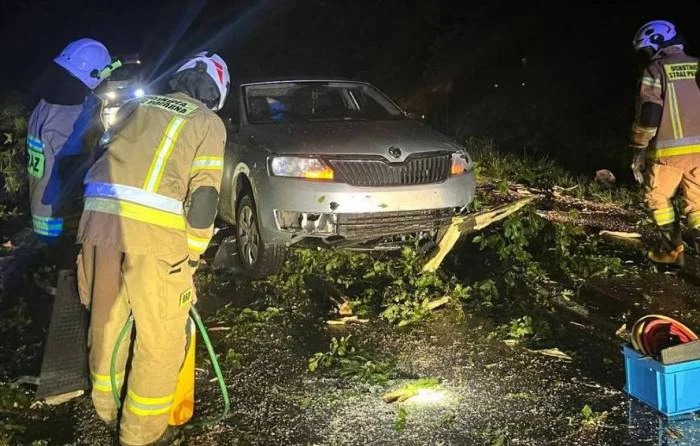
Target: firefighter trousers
(663, 177)
(158, 292)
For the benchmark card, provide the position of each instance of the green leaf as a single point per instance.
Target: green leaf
(586, 412)
(400, 423)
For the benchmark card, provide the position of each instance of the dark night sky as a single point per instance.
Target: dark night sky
(34, 31)
(580, 68)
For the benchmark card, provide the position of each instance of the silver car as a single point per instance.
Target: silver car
(338, 163)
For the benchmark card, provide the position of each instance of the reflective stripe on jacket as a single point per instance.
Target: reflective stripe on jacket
(58, 135)
(138, 194)
(670, 82)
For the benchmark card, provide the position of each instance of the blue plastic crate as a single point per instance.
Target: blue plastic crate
(670, 389)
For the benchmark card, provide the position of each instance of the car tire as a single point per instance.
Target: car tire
(259, 259)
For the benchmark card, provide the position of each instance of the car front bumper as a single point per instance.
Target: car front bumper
(293, 209)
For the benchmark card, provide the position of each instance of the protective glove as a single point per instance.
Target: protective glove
(639, 164)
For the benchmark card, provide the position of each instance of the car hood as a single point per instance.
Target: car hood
(349, 138)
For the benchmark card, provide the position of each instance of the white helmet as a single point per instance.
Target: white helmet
(84, 59)
(216, 69)
(654, 34)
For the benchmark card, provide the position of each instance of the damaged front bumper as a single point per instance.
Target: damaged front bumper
(363, 226)
(300, 209)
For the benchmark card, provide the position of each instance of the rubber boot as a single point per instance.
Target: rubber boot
(168, 438)
(670, 250)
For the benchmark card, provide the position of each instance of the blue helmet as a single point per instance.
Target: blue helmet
(84, 59)
(654, 35)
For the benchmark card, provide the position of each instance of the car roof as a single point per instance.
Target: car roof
(316, 78)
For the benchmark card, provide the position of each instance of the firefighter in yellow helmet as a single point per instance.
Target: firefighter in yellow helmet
(666, 135)
(150, 203)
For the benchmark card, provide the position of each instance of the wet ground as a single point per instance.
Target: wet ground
(488, 393)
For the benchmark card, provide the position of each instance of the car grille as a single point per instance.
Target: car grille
(371, 225)
(433, 168)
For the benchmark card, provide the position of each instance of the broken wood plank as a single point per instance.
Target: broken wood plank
(220, 328)
(347, 320)
(472, 223)
(552, 352)
(628, 237)
(397, 396)
(432, 305)
(63, 398)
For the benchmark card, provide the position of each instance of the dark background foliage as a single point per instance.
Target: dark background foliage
(543, 78)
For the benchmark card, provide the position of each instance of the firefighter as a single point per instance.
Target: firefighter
(63, 128)
(150, 204)
(666, 135)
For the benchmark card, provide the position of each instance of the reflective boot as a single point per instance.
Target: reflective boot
(670, 250)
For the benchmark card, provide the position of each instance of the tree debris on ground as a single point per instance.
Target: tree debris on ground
(526, 281)
(633, 238)
(469, 224)
(552, 352)
(347, 320)
(410, 390)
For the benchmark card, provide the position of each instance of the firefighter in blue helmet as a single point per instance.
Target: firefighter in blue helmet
(63, 128)
(666, 136)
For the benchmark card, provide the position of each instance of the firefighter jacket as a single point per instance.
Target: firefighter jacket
(155, 188)
(59, 140)
(668, 106)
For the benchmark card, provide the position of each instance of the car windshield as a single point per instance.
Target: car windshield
(284, 102)
(126, 72)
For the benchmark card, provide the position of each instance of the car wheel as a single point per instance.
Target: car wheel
(258, 258)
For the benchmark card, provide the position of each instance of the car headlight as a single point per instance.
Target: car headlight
(460, 164)
(297, 167)
(109, 116)
(139, 93)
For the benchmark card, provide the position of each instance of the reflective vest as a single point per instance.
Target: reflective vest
(670, 82)
(155, 188)
(58, 140)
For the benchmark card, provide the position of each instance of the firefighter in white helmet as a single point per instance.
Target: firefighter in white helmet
(666, 135)
(150, 204)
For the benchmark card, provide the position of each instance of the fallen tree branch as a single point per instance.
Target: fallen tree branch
(552, 352)
(435, 304)
(472, 223)
(618, 234)
(633, 238)
(347, 320)
(65, 397)
(219, 328)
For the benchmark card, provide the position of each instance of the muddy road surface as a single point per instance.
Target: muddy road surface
(468, 386)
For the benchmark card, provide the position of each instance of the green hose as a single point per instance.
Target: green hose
(194, 315)
(126, 329)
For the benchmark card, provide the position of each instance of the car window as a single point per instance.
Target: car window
(317, 101)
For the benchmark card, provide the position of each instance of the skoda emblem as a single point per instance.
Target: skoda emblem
(395, 152)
